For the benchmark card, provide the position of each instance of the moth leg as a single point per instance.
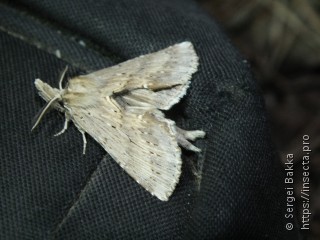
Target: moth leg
(183, 136)
(84, 141)
(190, 135)
(65, 127)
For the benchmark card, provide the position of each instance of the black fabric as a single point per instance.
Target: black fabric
(49, 190)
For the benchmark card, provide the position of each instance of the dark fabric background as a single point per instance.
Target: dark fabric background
(49, 190)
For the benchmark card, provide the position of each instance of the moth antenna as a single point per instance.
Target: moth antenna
(45, 110)
(62, 77)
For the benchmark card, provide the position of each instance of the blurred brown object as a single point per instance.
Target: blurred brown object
(281, 39)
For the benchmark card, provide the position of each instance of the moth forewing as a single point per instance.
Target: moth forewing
(120, 108)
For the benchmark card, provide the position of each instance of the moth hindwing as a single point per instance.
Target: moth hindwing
(120, 107)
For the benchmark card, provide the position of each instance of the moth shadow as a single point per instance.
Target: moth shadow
(177, 112)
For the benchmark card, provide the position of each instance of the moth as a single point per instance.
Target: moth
(120, 107)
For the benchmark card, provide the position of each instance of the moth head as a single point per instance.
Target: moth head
(52, 95)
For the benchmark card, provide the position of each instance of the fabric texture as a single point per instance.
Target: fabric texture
(49, 190)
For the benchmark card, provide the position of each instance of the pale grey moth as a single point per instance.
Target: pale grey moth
(120, 108)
